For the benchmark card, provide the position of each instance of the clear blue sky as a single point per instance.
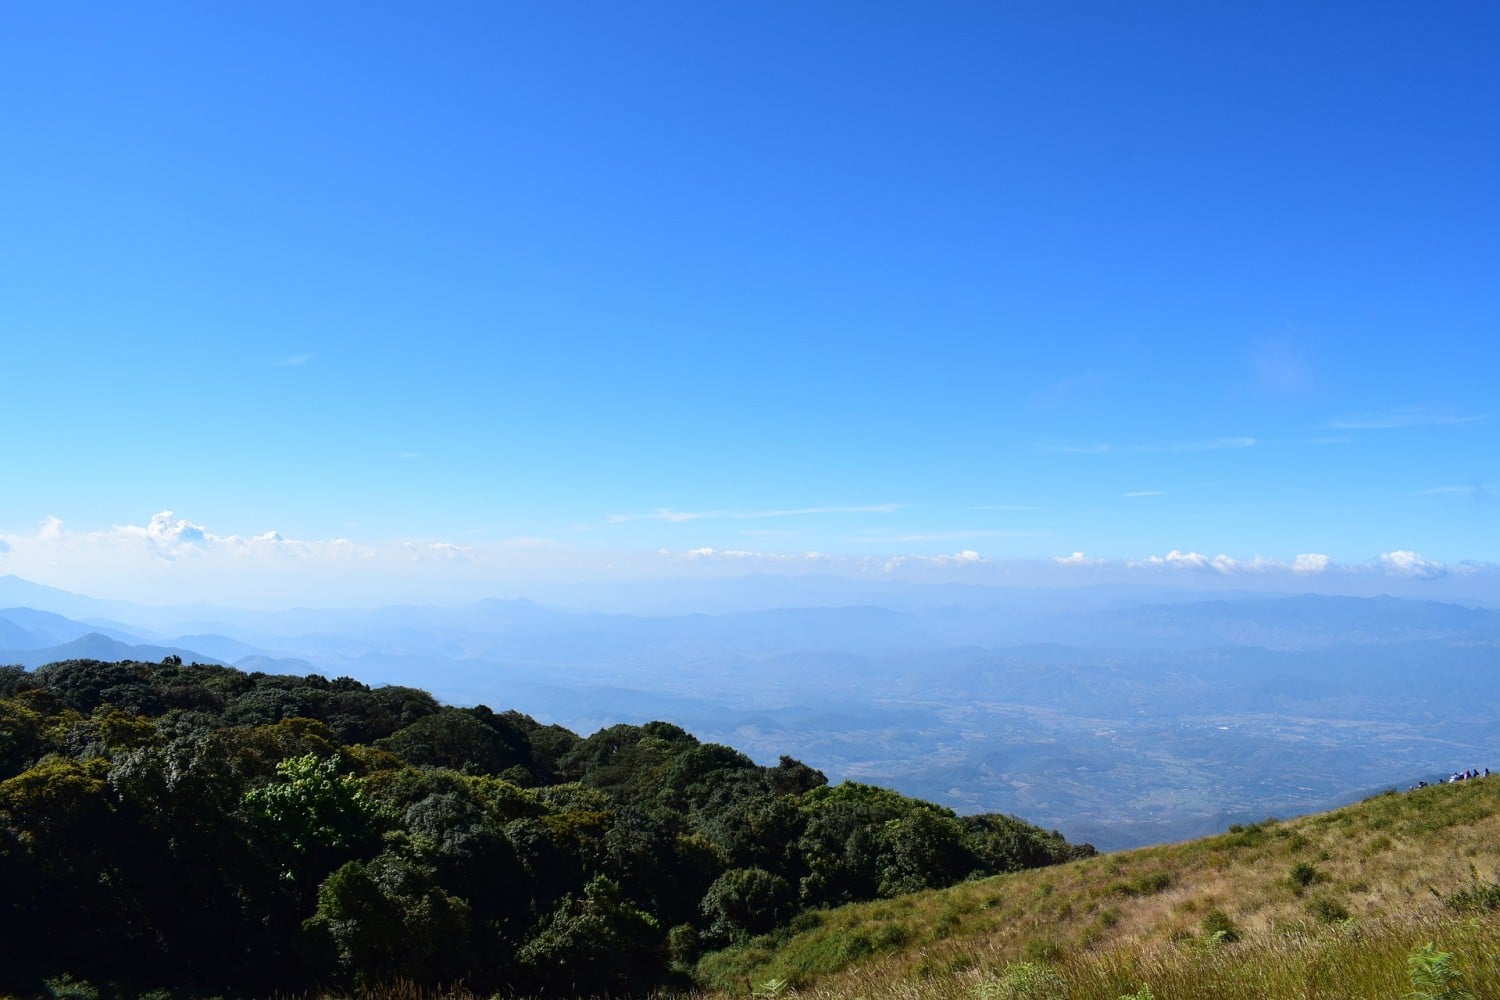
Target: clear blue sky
(549, 287)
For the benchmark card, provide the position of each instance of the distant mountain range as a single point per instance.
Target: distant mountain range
(1118, 716)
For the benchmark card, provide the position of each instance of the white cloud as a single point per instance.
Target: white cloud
(436, 550)
(1146, 493)
(1310, 562)
(1077, 559)
(1404, 562)
(1304, 564)
(172, 559)
(168, 534)
(1404, 416)
(968, 557)
(1176, 560)
(293, 360)
(1225, 564)
(4, 546)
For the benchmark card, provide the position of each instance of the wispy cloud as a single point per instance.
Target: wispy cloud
(167, 537)
(1405, 416)
(679, 516)
(1004, 507)
(1214, 444)
(854, 564)
(1479, 493)
(1170, 447)
(293, 360)
(438, 550)
(1145, 493)
(660, 514)
(956, 535)
(709, 553)
(879, 508)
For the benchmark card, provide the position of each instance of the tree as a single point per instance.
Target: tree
(387, 920)
(313, 813)
(597, 944)
(746, 901)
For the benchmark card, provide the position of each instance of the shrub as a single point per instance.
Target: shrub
(1023, 981)
(1044, 949)
(65, 987)
(1304, 875)
(1327, 909)
(1148, 884)
(1478, 897)
(1218, 927)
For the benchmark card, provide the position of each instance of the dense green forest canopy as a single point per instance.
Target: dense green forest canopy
(199, 829)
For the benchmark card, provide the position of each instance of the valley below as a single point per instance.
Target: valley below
(1118, 718)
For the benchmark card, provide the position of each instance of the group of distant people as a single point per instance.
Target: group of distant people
(1458, 776)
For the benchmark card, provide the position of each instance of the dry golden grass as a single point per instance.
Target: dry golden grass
(1367, 891)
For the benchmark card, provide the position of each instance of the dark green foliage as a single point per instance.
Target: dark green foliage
(1219, 928)
(744, 902)
(387, 920)
(1303, 875)
(459, 740)
(1145, 884)
(205, 831)
(1478, 897)
(594, 945)
(1327, 909)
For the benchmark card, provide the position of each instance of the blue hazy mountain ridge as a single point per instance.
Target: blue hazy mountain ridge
(1117, 720)
(29, 628)
(95, 646)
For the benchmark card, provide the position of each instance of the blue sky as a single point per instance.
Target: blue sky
(471, 294)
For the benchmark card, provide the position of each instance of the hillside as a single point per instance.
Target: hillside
(1328, 905)
(211, 832)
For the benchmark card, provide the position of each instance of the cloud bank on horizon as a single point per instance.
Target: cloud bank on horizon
(169, 559)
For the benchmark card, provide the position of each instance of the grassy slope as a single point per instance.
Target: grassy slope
(1108, 926)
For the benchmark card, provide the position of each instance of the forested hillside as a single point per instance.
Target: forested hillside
(204, 830)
